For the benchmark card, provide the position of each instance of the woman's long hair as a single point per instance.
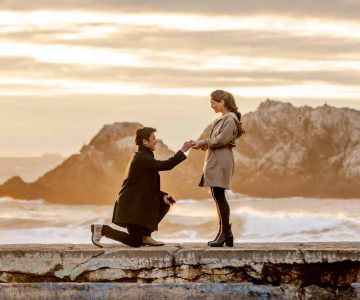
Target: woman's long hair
(229, 101)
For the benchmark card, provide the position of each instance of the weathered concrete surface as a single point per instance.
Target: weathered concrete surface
(126, 291)
(329, 265)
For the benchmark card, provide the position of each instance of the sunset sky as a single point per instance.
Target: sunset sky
(69, 67)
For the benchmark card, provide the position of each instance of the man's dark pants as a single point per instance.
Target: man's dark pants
(135, 232)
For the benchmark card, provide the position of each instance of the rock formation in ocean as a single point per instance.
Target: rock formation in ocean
(298, 151)
(96, 173)
(286, 151)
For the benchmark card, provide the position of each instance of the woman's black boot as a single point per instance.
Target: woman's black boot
(217, 235)
(225, 237)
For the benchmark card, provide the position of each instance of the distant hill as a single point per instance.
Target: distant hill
(286, 151)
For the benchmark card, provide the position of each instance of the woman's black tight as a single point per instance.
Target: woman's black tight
(223, 208)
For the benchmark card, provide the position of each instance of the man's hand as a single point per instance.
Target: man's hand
(169, 200)
(186, 146)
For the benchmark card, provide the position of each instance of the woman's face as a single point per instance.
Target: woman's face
(217, 106)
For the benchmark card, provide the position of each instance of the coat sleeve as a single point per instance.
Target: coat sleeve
(163, 165)
(224, 137)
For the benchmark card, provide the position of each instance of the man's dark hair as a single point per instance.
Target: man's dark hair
(143, 133)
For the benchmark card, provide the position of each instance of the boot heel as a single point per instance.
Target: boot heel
(225, 237)
(229, 242)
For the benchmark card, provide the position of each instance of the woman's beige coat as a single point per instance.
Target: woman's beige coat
(219, 160)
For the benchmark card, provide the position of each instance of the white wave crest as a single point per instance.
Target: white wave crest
(8, 200)
(253, 220)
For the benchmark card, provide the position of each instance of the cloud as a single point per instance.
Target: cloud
(68, 67)
(222, 42)
(171, 77)
(153, 53)
(345, 9)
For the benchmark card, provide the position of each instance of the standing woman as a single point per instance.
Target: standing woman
(219, 160)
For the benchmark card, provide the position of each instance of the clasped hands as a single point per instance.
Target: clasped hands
(192, 145)
(169, 200)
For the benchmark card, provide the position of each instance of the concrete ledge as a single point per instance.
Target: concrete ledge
(30, 291)
(333, 265)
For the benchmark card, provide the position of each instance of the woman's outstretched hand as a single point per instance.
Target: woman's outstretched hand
(197, 145)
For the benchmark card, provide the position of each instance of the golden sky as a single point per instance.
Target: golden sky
(68, 67)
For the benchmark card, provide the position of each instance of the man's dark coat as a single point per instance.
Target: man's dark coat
(140, 198)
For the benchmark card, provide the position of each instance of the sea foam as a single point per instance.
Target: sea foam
(253, 220)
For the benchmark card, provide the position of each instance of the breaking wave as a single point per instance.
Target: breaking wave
(253, 220)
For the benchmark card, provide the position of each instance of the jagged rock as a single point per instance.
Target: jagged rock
(95, 174)
(297, 151)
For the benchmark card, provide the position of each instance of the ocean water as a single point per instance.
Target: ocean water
(293, 219)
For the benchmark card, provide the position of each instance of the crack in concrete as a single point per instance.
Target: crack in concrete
(74, 273)
(174, 263)
(302, 255)
(94, 256)
(62, 273)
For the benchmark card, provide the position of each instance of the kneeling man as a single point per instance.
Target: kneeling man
(141, 205)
